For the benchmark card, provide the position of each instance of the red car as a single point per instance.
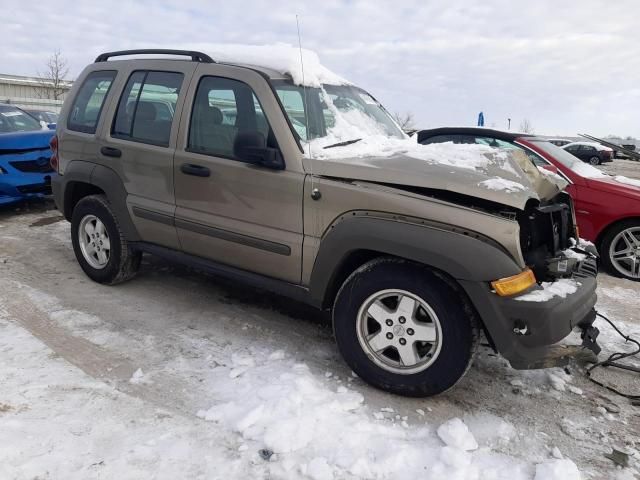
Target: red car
(607, 208)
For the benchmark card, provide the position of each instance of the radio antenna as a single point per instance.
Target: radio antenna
(304, 90)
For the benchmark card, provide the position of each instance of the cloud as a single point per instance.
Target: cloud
(568, 67)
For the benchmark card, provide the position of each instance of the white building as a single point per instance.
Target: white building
(32, 92)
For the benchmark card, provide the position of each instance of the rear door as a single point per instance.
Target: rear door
(141, 139)
(227, 210)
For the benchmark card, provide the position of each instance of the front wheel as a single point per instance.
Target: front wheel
(404, 329)
(620, 250)
(594, 160)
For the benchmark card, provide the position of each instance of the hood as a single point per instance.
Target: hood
(16, 141)
(618, 185)
(502, 176)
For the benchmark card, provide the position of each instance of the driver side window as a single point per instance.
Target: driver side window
(223, 108)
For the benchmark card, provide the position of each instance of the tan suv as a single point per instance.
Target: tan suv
(237, 170)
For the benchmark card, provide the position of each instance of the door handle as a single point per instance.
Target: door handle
(197, 170)
(111, 152)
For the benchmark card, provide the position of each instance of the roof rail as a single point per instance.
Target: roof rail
(195, 56)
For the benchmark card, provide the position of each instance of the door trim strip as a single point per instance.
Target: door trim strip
(234, 237)
(214, 232)
(152, 215)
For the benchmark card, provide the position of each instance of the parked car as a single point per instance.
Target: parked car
(24, 156)
(591, 152)
(560, 142)
(607, 210)
(50, 118)
(412, 257)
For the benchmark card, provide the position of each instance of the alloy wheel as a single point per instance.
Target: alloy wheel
(399, 331)
(624, 252)
(94, 241)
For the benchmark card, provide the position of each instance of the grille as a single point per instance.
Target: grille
(587, 268)
(40, 165)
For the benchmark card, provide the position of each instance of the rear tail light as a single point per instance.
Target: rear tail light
(54, 152)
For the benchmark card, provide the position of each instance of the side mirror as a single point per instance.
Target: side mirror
(551, 168)
(251, 147)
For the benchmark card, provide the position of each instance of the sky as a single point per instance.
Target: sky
(566, 66)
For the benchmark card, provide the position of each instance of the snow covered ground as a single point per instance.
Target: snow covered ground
(177, 374)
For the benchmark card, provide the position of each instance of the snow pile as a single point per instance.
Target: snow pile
(569, 253)
(627, 181)
(498, 183)
(490, 430)
(311, 426)
(456, 434)
(281, 57)
(560, 288)
(557, 469)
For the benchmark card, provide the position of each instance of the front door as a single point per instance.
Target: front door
(227, 210)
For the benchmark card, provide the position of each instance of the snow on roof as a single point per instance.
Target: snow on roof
(281, 57)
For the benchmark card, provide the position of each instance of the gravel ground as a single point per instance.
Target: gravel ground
(156, 340)
(627, 168)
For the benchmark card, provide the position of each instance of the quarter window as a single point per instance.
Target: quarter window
(221, 109)
(146, 107)
(87, 106)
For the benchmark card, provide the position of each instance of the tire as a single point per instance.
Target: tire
(443, 361)
(594, 160)
(614, 241)
(121, 262)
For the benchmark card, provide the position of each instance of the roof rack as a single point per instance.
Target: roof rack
(195, 56)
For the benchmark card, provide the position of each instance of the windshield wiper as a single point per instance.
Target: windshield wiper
(343, 144)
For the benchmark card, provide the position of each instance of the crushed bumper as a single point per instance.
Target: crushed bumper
(524, 331)
(22, 177)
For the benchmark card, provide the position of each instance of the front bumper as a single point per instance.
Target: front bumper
(524, 331)
(16, 185)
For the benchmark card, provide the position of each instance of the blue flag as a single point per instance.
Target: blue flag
(481, 119)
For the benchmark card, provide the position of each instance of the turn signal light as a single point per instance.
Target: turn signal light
(509, 286)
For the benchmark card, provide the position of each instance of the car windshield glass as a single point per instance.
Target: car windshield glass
(335, 114)
(568, 160)
(13, 119)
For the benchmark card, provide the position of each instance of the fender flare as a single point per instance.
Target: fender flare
(462, 255)
(109, 182)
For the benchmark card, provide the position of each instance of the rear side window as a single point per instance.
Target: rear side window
(89, 101)
(222, 108)
(147, 106)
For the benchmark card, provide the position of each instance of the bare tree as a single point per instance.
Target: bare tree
(52, 80)
(406, 120)
(526, 126)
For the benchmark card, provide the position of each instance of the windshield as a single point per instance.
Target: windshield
(568, 160)
(13, 119)
(335, 114)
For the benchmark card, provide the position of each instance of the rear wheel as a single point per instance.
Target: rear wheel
(620, 250)
(594, 160)
(403, 329)
(99, 244)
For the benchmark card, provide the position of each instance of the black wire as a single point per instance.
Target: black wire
(613, 361)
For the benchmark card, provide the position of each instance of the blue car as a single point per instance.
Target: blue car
(24, 156)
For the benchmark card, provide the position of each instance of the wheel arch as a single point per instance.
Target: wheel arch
(355, 240)
(83, 178)
(611, 225)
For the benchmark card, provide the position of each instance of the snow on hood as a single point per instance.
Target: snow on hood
(501, 176)
(281, 57)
